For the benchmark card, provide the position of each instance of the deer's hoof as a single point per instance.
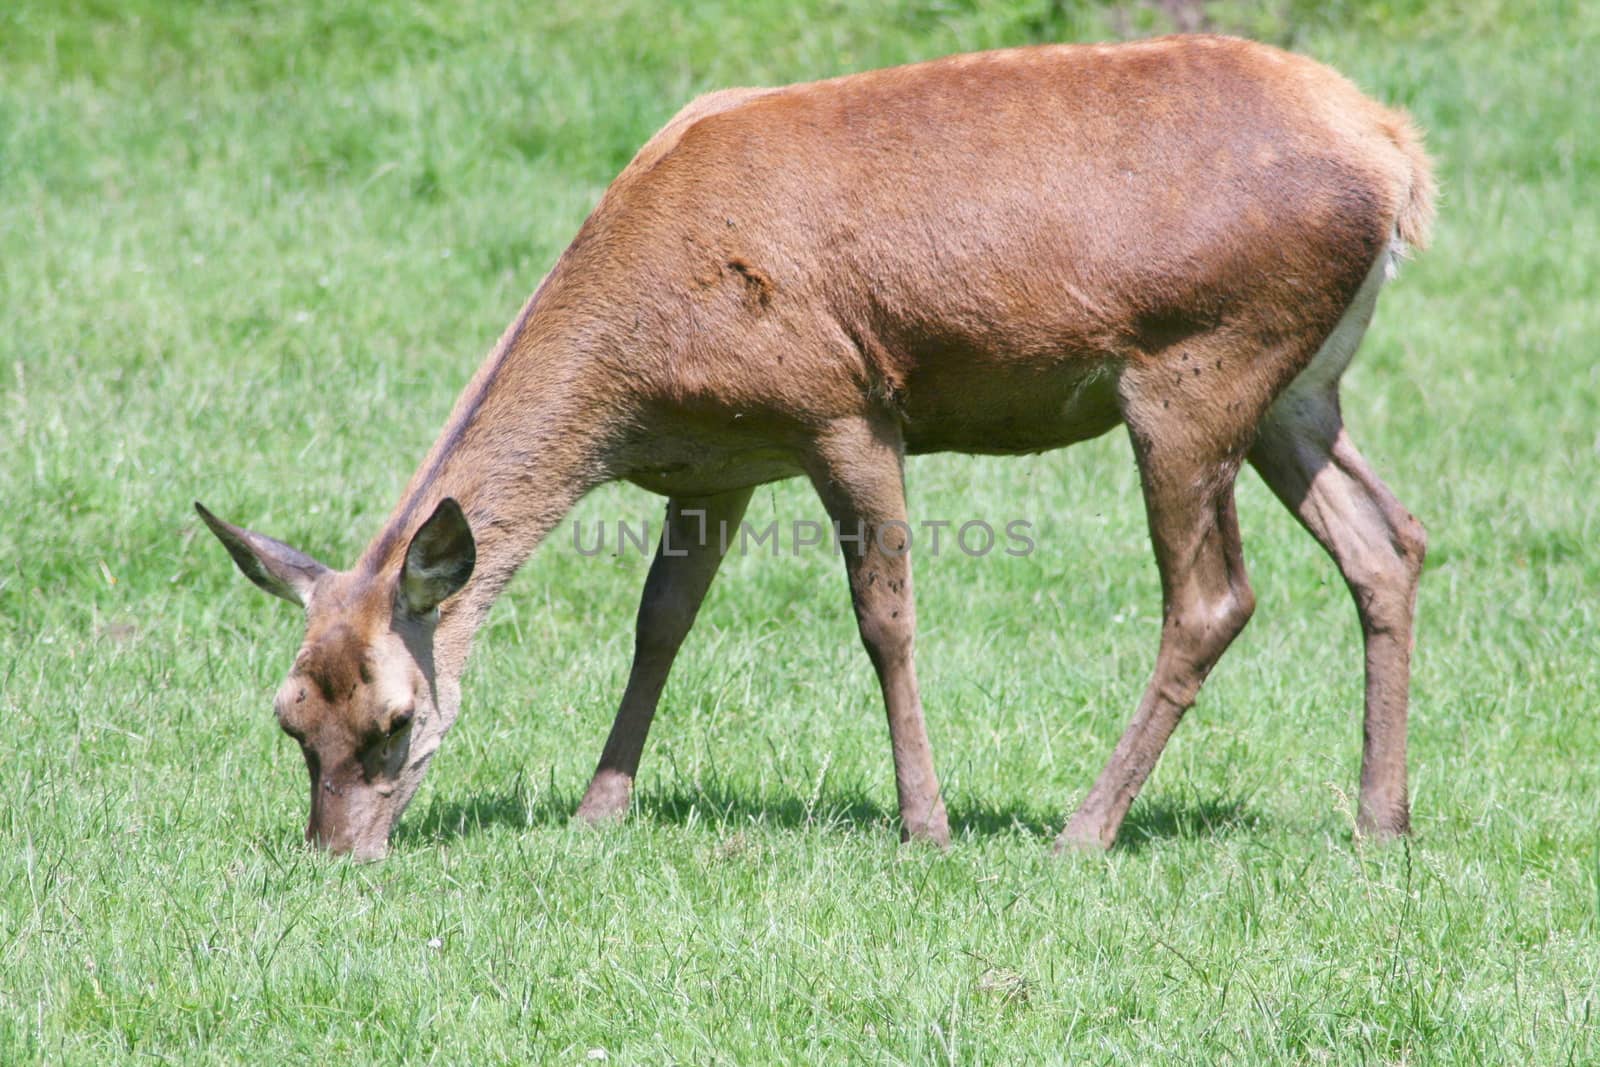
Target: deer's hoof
(933, 829)
(1083, 834)
(1383, 824)
(606, 799)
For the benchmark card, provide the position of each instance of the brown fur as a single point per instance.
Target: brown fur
(1000, 252)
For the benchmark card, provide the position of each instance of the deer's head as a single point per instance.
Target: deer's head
(364, 699)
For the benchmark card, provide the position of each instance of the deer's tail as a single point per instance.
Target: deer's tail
(1414, 224)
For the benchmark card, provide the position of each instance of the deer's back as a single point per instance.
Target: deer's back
(984, 240)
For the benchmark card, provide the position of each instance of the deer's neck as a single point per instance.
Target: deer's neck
(527, 439)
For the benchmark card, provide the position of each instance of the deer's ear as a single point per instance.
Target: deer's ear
(273, 565)
(439, 559)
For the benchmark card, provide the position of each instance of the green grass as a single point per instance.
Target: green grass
(249, 252)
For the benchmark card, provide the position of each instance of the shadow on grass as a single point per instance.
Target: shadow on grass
(1191, 819)
(1159, 819)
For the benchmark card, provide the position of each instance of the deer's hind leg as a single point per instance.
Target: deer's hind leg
(1307, 458)
(1189, 443)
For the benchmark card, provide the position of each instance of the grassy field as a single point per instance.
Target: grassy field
(249, 252)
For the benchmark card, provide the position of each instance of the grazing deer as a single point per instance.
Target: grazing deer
(1004, 252)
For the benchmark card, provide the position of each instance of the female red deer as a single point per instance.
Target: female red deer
(1000, 253)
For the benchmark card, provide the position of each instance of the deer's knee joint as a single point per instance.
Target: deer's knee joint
(1229, 616)
(1411, 542)
(1204, 629)
(1384, 579)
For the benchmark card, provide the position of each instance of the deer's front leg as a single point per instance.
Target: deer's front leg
(857, 472)
(693, 540)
